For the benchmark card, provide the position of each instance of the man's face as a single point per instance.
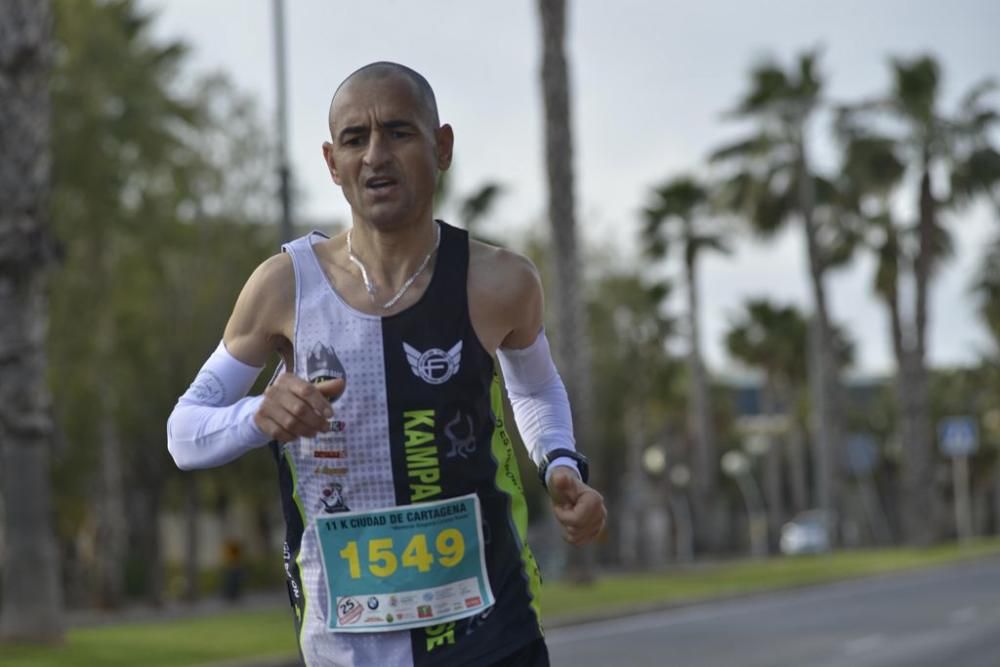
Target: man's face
(385, 152)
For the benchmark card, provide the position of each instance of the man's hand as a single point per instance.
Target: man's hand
(293, 408)
(578, 508)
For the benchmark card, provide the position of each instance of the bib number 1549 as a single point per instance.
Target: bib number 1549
(382, 561)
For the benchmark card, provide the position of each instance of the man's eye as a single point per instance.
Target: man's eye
(400, 134)
(353, 141)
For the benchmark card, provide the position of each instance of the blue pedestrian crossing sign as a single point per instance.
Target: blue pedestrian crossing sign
(958, 436)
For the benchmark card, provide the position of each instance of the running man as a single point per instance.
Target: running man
(406, 520)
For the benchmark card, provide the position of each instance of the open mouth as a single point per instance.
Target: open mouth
(379, 183)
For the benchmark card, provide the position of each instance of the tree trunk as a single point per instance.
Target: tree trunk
(192, 514)
(918, 480)
(145, 527)
(823, 371)
(700, 420)
(31, 608)
(914, 393)
(799, 475)
(996, 497)
(572, 343)
(112, 523)
(635, 500)
(773, 469)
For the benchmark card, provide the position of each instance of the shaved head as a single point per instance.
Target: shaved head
(383, 70)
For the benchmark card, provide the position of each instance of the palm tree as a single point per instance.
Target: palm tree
(628, 324)
(906, 133)
(678, 215)
(572, 345)
(773, 339)
(774, 183)
(31, 605)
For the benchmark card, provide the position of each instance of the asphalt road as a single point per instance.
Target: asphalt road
(943, 617)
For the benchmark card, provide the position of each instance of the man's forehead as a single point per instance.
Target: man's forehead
(358, 96)
(384, 91)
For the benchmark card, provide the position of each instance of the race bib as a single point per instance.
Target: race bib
(404, 567)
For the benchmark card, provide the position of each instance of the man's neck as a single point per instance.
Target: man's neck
(392, 255)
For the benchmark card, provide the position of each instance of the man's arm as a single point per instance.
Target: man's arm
(539, 400)
(263, 322)
(214, 421)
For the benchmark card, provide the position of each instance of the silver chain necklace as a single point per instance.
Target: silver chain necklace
(370, 286)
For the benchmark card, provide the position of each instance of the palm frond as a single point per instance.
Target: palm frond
(480, 203)
(871, 164)
(978, 173)
(973, 99)
(756, 146)
(916, 87)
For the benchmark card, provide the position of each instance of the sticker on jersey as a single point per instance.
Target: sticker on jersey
(332, 499)
(435, 366)
(322, 364)
(425, 562)
(348, 611)
(461, 433)
(330, 470)
(329, 453)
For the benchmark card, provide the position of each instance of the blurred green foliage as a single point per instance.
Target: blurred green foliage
(178, 643)
(160, 195)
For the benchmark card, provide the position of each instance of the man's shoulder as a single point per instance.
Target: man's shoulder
(271, 287)
(504, 289)
(273, 274)
(263, 310)
(493, 265)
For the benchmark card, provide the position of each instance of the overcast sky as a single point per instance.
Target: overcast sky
(650, 82)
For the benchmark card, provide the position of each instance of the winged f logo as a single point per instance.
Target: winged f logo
(435, 366)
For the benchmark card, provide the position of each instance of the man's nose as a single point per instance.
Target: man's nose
(378, 150)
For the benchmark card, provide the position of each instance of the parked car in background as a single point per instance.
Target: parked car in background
(807, 533)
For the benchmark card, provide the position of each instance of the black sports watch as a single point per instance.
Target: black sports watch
(582, 464)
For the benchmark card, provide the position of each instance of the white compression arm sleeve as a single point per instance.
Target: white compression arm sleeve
(538, 397)
(212, 423)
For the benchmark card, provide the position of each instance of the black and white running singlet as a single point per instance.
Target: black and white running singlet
(420, 420)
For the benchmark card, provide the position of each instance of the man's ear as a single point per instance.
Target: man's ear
(330, 164)
(445, 138)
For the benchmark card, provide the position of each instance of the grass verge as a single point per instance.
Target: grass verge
(256, 635)
(175, 643)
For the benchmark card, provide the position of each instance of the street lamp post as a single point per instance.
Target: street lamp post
(680, 477)
(991, 429)
(281, 79)
(657, 519)
(736, 465)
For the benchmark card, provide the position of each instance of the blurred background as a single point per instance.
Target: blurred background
(769, 234)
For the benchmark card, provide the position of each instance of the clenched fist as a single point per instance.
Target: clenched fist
(293, 408)
(578, 508)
